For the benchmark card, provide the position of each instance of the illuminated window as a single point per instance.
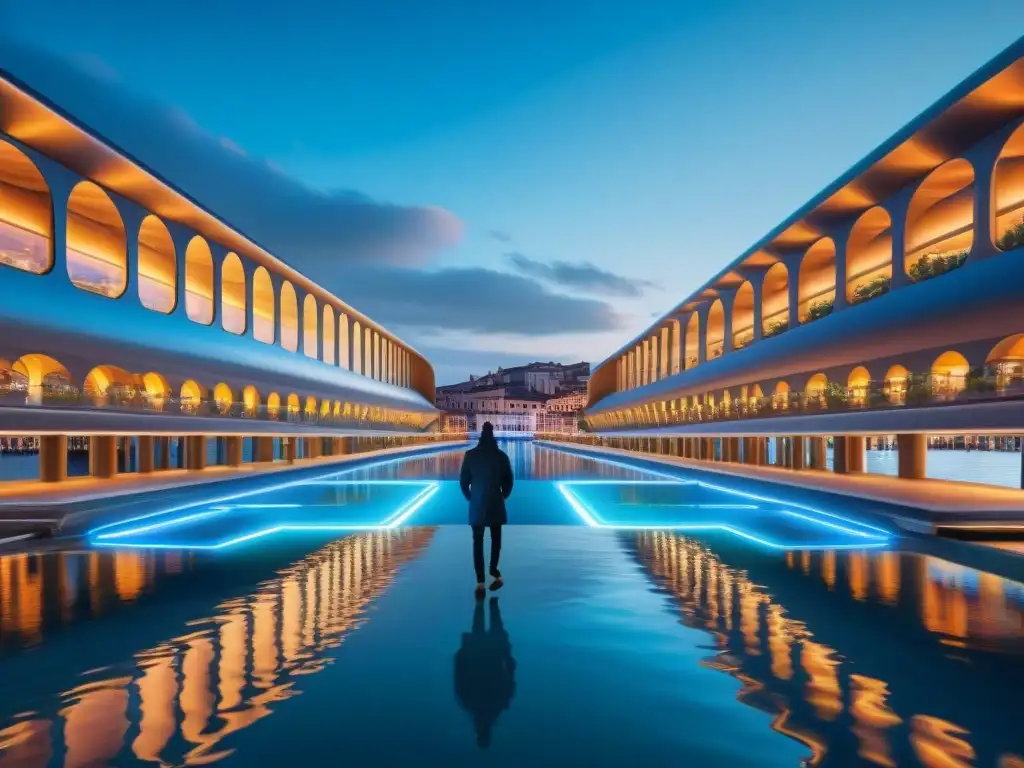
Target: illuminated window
(263, 306)
(232, 294)
(97, 247)
(1008, 190)
(289, 318)
(309, 326)
(692, 347)
(26, 218)
(743, 316)
(199, 281)
(940, 221)
(357, 347)
(869, 256)
(716, 330)
(328, 333)
(158, 268)
(343, 349)
(817, 288)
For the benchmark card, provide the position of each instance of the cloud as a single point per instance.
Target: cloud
(473, 300)
(501, 237)
(583, 276)
(299, 224)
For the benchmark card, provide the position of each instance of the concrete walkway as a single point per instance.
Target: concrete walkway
(947, 503)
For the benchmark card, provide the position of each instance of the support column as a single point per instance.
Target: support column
(912, 456)
(234, 451)
(103, 456)
(708, 453)
(290, 449)
(263, 449)
(855, 453)
(147, 454)
(53, 458)
(819, 456)
(750, 450)
(195, 452)
(797, 458)
(840, 456)
(780, 452)
(163, 446)
(734, 450)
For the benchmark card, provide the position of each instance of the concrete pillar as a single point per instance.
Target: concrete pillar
(103, 456)
(819, 458)
(263, 449)
(855, 447)
(750, 450)
(797, 448)
(734, 450)
(780, 452)
(163, 449)
(53, 458)
(195, 452)
(840, 455)
(234, 446)
(147, 454)
(290, 449)
(182, 442)
(708, 454)
(912, 456)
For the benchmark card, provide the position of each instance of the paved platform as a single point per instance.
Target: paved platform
(926, 504)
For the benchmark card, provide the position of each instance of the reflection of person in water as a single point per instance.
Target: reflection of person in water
(485, 672)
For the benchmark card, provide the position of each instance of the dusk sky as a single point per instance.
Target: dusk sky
(503, 182)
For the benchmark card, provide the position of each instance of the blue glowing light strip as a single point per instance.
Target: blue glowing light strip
(290, 484)
(591, 520)
(733, 492)
(394, 521)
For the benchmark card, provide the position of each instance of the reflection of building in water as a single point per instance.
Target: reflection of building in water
(824, 698)
(179, 701)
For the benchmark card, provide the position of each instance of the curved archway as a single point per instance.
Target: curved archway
(250, 400)
(274, 405)
(158, 267)
(367, 353)
(310, 406)
(895, 384)
(817, 281)
(325, 408)
(859, 383)
(232, 294)
(357, 347)
(309, 326)
(1008, 193)
(328, 334)
(344, 355)
(43, 377)
(294, 406)
(199, 281)
(1007, 358)
(715, 341)
(949, 374)
(289, 317)
(26, 213)
(780, 396)
(223, 398)
(156, 389)
(743, 316)
(263, 306)
(97, 246)
(337, 409)
(940, 221)
(775, 301)
(192, 395)
(110, 384)
(814, 390)
(869, 256)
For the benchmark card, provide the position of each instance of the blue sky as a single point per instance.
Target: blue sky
(499, 182)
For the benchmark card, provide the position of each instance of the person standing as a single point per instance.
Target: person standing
(486, 481)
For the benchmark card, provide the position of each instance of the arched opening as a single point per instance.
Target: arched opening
(310, 408)
(199, 281)
(814, 391)
(376, 356)
(263, 306)
(223, 398)
(775, 301)
(274, 405)
(859, 383)
(715, 343)
(940, 221)
(192, 395)
(293, 405)
(328, 333)
(780, 396)
(344, 356)
(869, 256)
(97, 247)
(156, 390)
(158, 267)
(1007, 358)
(40, 377)
(250, 401)
(368, 353)
(309, 326)
(337, 409)
(949, 374)
(325, 409)
(743, 316)
(357, 347)
(692, 343)
(1008, 193)
(232, 294)
(26, 213)
(289, 317)
(817, 282)
(894, 385)
(110, 385)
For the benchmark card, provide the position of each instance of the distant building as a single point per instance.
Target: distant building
(571, 403)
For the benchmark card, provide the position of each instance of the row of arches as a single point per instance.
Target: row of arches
(39, 379)
(951, 376)
(97, 262)
(937, 234)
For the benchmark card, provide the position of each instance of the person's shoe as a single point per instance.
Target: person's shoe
(481, 590)
(497, 584)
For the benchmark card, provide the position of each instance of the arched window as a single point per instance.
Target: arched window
(250, 400)
(263, 306)
(289, 317)
(357, 347)
(328, 333)
(775, 301)
(716, 331)
(895, 384)
(156, 390)
(940, 221)
(869, 256)
(692, 340)
(1008, 191)
(97, 247)
(949, 374)
(223, 398)
(232, 294)
(274, 405)
(158, 267)
(344, 355)
(199, 281)
(111, 385)
(26, 213)
(309, 326)
(376, 356)
(858, 383)
(40, 377)
(817, 289)
(368, 353)
(743, 316)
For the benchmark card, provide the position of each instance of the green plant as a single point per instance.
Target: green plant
(1012, 238)
(877, 399)
(742, 341)
(934, 264)
(979, 381)
(775, 328)
(919, 390)
(869, 290)
(820, 309)
(837, 397)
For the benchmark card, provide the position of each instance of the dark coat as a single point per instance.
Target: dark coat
(486, 481)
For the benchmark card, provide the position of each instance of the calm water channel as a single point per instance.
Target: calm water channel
(607, 647)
